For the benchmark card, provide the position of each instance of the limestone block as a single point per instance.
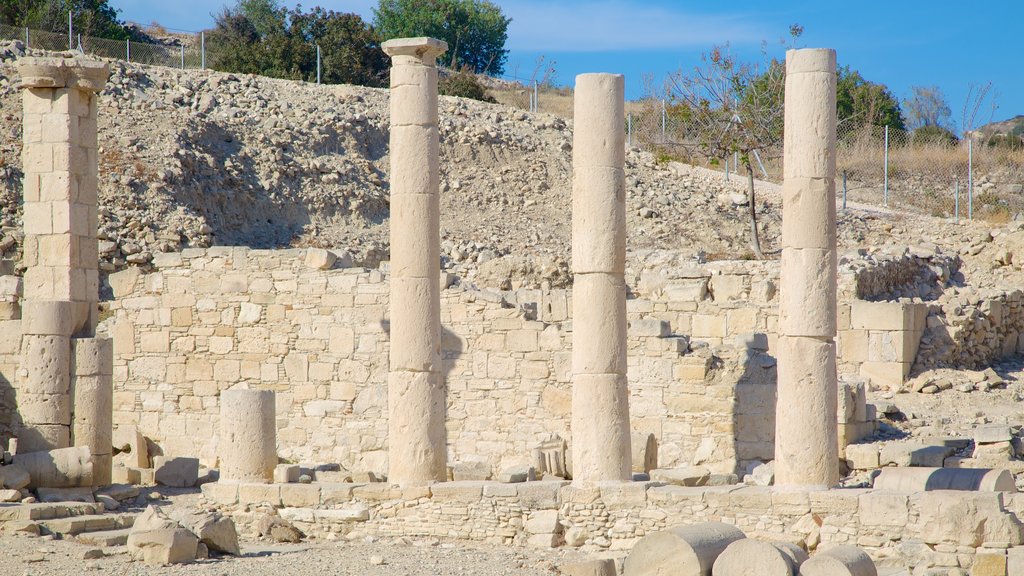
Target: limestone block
(682, 550)
(45, 364)
(44, 408)
(14, 477)
(686, 476)
(157, 540)
(644, 448)
(300, 495)
(130, 447)
(416, 427)
(989, 563)
(419, 50)
(61, 468)
(1015, 562)
(543, 522)
(415, 325)
(809, 213)
(46, 318)
(599, 134)
(807, 299)
(43, 437)
(177, 471)
(914, 454)
(415, 253)
(862, 456)
(893, 346)
(248, 436)
(925, 479)
(414, 149)
(966, 518)
(470, 471)
(881, 315)
(517, 474)
(749, 557)
(599, 324)
(415, 105)
(93, 418)
(810, 116)
(889, 375)
(92, 356)
(598, 220)
(214, 529)
(839, 561)
(287, 473)
(806, 440)
(223, 494)
(650, 327)
(600, 426)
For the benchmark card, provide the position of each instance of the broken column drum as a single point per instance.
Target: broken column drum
(806, 451)
(59, 156)
(248, 436)
(92, 397)
(417, 446)
(600, 400)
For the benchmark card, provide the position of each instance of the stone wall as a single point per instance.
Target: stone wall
(206, 320)
(911, 530)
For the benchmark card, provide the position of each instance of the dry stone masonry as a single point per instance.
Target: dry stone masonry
(416, 390)
(805, 438)
(600, 400)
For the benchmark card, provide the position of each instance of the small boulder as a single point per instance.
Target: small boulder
(14, 477)
(762, 475)
(215, 530)
(686, 476)
(179, 471)
(157, 540)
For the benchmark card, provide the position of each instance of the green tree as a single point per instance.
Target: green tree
(88, 17)
(860, 102)
(475, 30)
(260, 37)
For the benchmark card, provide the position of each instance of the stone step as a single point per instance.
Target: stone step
(89, 523)
(105, 538)
(46, 511)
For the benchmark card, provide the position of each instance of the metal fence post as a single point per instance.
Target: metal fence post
(128, 49)
(182, 56)
(71, 37)
(26, 37)
(202, 49)
(956, 201)
(317, 63)
(629, 129)
(536, 99)
(885, 189)
(663, 115)
(844, 189)
(80, 43)
(726, 168)
(970, 178)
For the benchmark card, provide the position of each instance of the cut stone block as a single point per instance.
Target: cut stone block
(178, 471)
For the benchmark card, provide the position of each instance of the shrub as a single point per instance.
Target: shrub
(464, 85)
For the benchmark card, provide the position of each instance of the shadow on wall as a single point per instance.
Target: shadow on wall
(754, 410)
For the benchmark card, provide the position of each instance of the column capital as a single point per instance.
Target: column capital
(67, 72)
(804, 60)
(424, 48)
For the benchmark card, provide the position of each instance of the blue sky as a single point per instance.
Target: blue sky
(901, 43)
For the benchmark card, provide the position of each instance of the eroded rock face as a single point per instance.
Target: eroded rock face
(967, 520)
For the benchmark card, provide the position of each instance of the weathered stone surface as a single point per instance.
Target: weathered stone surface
(839, 561)
(176, 471)
(688, 476)
(749, 557)
(63, 468)
(14, 477)
(212, 528)
(683, 550)
(603, 567)
(157, 540)
(925, 479)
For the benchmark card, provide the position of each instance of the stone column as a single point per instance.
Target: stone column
(60, 192)
(417, 447)
(600, 399)
(92, 393)
(44, 376)
(806, 452)
(248, 436)
(61, 285)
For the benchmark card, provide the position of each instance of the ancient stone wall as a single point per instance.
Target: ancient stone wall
(208, 320)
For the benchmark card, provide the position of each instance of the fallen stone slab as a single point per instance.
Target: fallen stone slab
(14, 477)
(908, 454)
(603, 567)
(214, 529)
(81, 494)
(105, 538)
(686, 476)
(179, 471)
(839, 561)
(927, 479)
(681, 551)
(517, 475)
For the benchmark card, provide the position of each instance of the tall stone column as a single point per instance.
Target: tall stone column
(806, 452)
(59, 157)
(600, 399)
(417, 446)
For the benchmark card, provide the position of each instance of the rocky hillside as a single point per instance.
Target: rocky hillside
(197, 158)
